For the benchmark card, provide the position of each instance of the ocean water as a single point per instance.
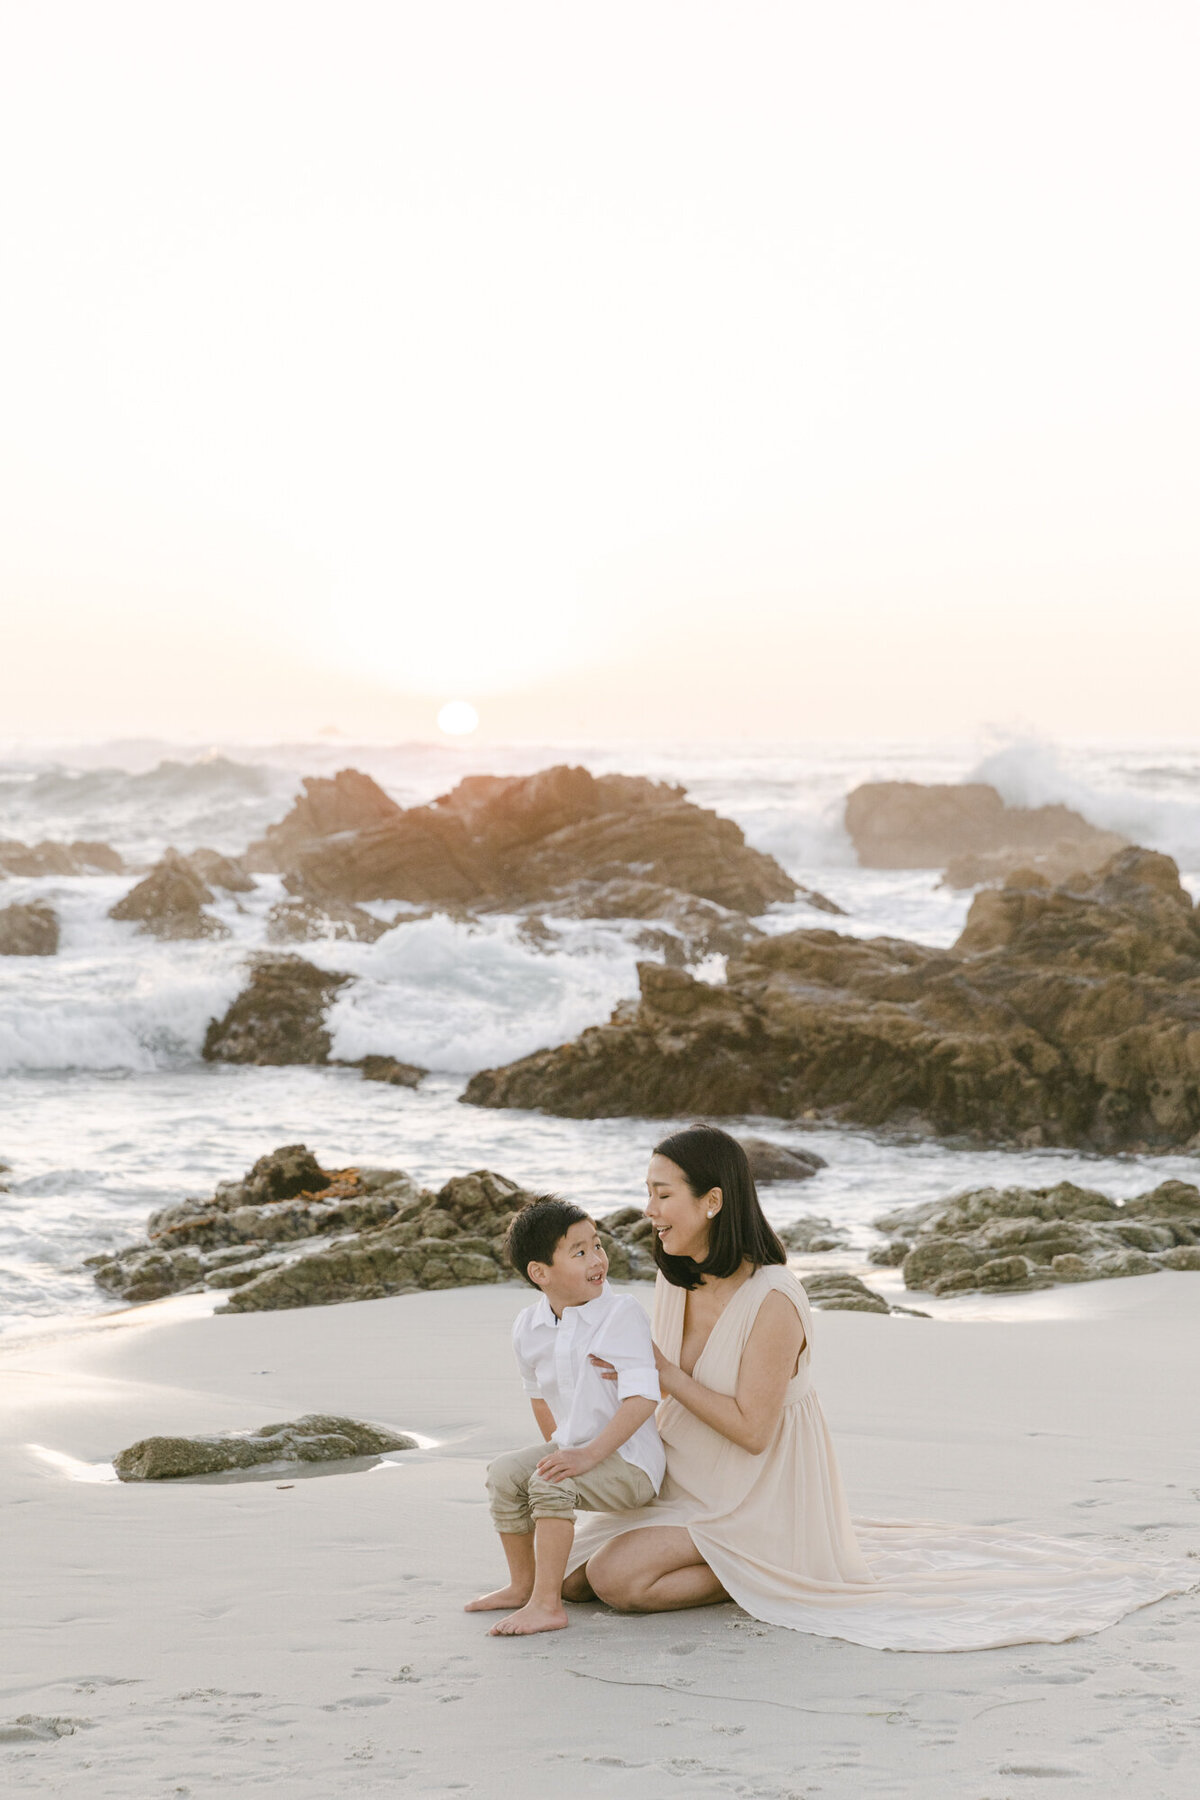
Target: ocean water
(106, 1109)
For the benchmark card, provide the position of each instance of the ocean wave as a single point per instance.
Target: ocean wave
(1032, 772)
(459, 998)
(213, 800)
(450, 996)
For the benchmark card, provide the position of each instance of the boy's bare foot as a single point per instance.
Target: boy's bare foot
(500, 1601)
(529, 1619)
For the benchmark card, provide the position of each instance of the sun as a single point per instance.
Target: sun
(458, 718)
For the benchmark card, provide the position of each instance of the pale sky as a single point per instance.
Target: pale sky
(819, 369)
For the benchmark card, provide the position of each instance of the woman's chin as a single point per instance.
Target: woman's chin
(694, 1252)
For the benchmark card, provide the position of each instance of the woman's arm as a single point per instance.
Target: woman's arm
(750, 1416)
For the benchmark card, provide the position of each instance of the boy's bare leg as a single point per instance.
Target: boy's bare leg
(544, 1610)
(518, 1553)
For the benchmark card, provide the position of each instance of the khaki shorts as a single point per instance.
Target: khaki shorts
(519, 1496)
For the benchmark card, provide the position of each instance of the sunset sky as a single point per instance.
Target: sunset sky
(624, 369)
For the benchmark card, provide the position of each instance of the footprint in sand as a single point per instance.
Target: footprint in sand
(33, 1728)
(1042, 1771)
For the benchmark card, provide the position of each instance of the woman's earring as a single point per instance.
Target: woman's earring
(712, 1215)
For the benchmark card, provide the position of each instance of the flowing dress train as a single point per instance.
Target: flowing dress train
(776, 1530)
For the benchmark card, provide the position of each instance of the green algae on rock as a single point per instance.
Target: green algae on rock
(315, 1438)
(1016, 1239)
(293, 1234)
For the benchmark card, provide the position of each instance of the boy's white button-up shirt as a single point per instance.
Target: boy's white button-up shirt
(552, 1355)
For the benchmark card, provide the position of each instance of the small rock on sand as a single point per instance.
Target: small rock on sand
(317, 1437)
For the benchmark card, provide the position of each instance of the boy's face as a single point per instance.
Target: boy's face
(577, 1270)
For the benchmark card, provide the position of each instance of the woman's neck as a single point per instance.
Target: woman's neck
(725, 1284)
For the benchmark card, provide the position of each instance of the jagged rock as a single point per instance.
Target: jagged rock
(906, 825)
(315, 1438)
(836, 1291)
(1067, 861)
(779, 1162)
(169, 903)
(304, 921)
(279, 1018)
(1061, 1016)
(396, 1074)
(630, 1223)
(695, 928)
(82, 857)
(293, 1234)
(453, 1239)
(286, 1199)
(820, 902)
(811, 1235)
(1023, 1238)
(515, 839)
(29, 928)
(221, 871)
(349, 801)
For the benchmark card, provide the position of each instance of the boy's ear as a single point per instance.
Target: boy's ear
(538, 1273)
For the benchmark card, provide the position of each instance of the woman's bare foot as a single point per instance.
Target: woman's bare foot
(529, 1619)
(500, 1601)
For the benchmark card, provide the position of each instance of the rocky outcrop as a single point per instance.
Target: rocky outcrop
(293, 1234)
(1070, 861)
(1014, 1239)
(811, 1235)
(220, 871)
(315, 1438)
(279, 1018)
(906, 825)
(515, 840)
(82, 857)
(328, 807)
(836, 1291)
(28, 929)
(690, 928)
(170, 902)
(390, 1070)
(452, 1239)
(778, 1162)
(285, 1203)
(306, 920)
(1066, 1015)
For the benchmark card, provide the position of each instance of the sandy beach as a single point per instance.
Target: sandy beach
(304, 1634)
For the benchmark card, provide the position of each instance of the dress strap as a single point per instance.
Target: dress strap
(667, 1323)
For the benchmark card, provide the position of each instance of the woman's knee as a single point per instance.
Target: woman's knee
(617, 1581)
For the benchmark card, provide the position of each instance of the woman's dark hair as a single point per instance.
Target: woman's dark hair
(535, 1233)
(710, 1158)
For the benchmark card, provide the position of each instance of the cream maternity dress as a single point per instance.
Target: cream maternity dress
(776, 1531)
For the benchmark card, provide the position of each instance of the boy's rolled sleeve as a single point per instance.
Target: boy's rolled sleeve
(634, 1382)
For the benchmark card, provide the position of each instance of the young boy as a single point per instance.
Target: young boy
(601, 1449)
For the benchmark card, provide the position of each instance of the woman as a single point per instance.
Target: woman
(752, 1508)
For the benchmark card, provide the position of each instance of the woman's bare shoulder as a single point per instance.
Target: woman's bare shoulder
(781, 1310)
(780, 1304)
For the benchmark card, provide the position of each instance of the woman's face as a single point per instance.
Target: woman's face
(680, 1219)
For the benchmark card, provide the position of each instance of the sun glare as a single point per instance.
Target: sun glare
(457, 718)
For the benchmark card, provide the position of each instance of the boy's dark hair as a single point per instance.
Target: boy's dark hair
(537, 1231)
(710, 1158)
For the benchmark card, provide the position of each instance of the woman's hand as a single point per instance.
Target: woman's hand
(607, 1372)
(565, 1465)
(669, 1373)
